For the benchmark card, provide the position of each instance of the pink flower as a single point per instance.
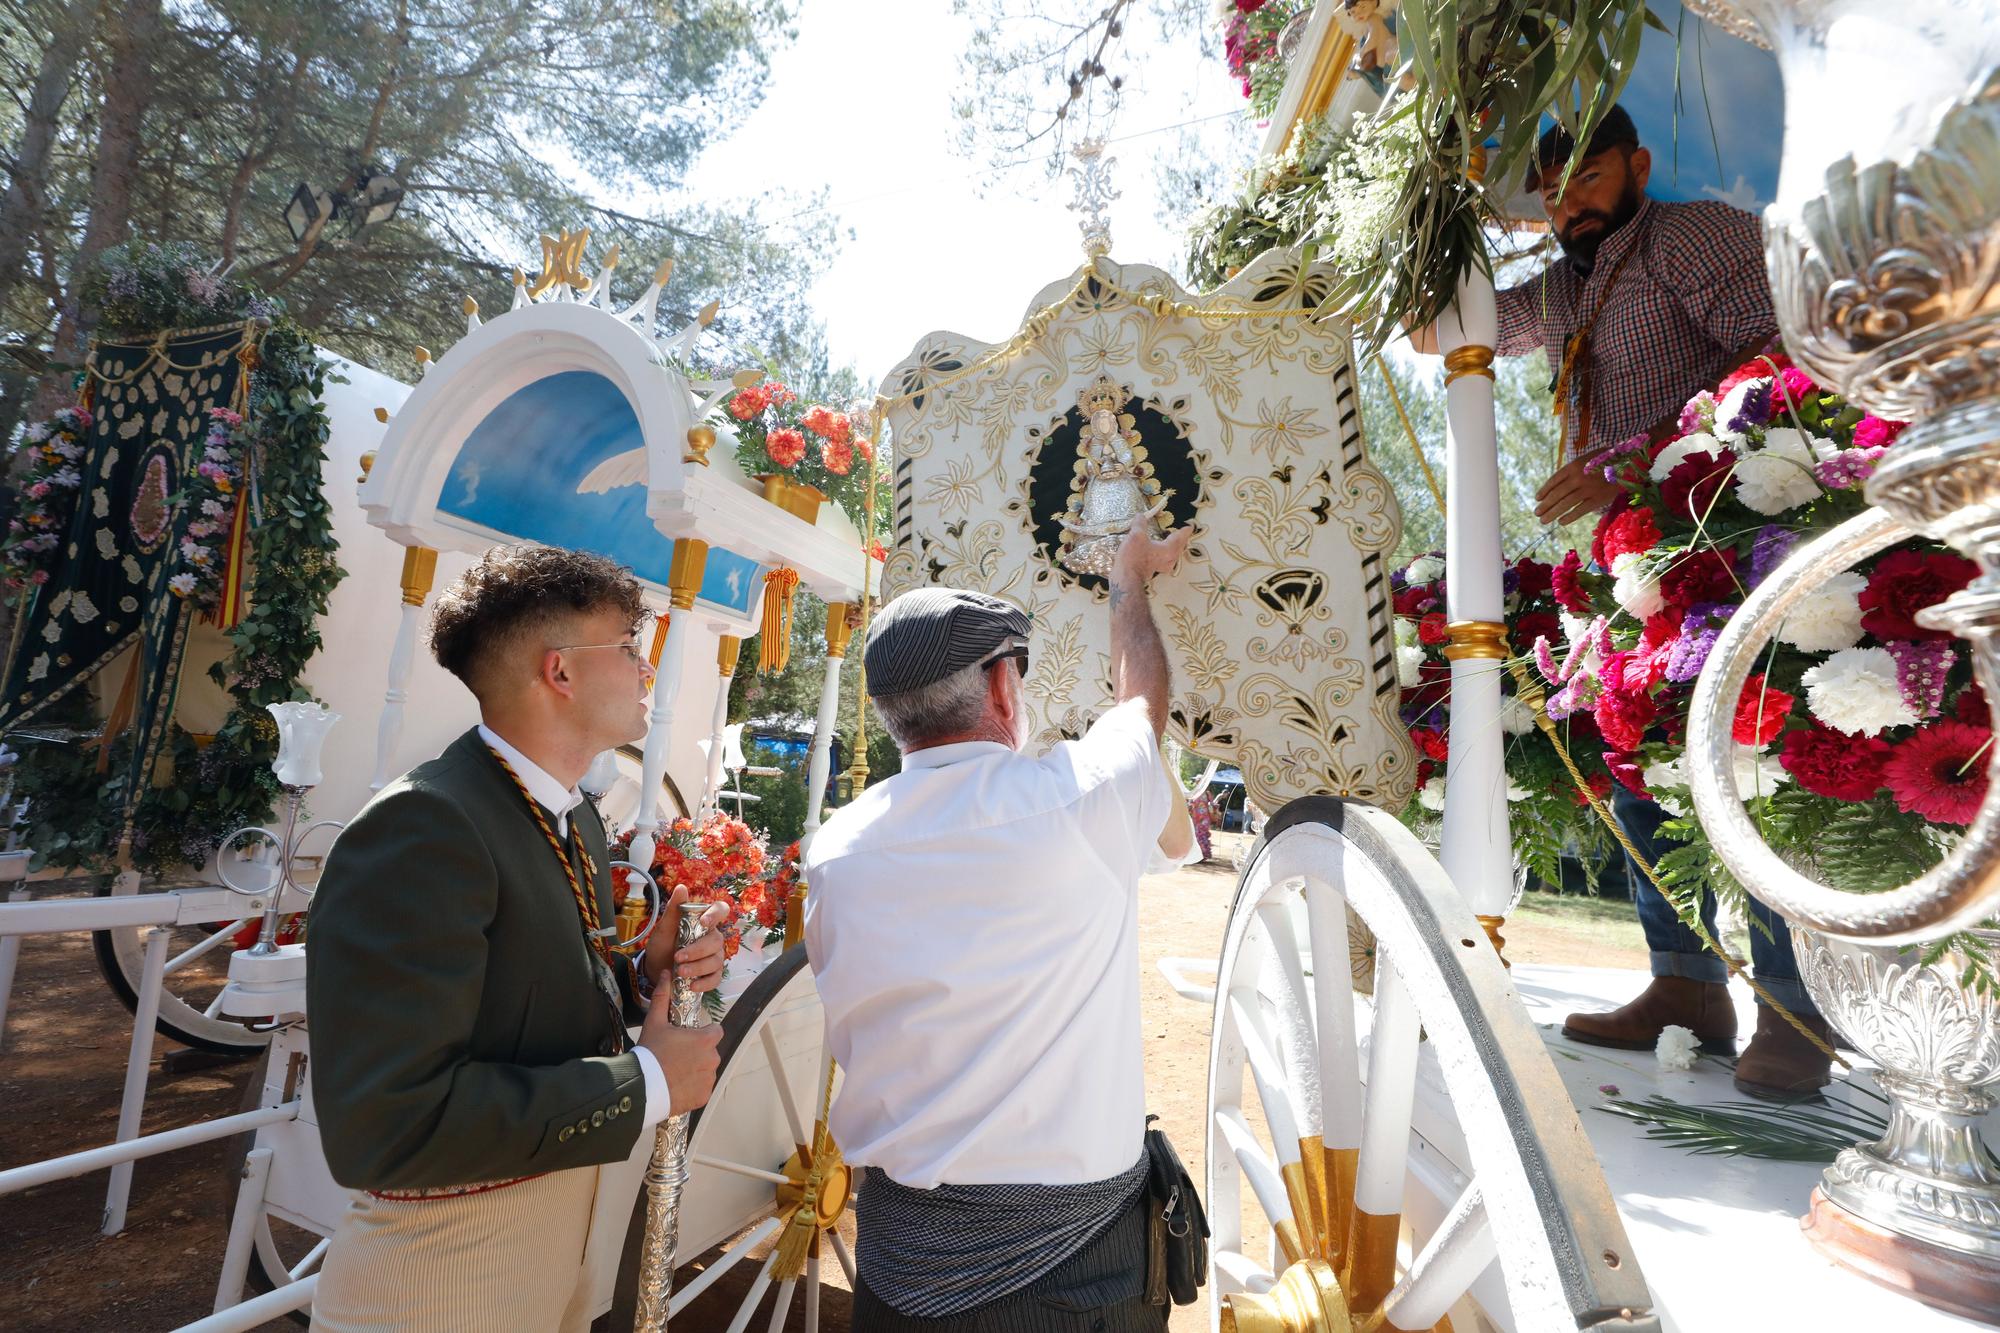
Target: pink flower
(1791, 387)
(1875, 433)
(1940, 772)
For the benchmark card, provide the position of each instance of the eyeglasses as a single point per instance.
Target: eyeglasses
(1019, 654)
(630, 649)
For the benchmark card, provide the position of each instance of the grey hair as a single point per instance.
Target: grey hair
(946, 707)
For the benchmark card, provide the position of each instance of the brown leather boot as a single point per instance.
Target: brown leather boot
(1702, 1007)
(1781, 1065)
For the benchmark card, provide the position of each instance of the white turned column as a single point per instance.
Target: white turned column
(419, 569)
(728, 649)
(683, 581)
(821, 764)
(1477, 852)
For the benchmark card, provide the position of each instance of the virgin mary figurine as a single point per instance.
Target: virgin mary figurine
(1113, 489)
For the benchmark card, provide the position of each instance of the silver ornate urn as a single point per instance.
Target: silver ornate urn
(1883, 247)
(1930, 1176)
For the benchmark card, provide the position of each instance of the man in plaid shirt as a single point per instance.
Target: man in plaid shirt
(1651, 302)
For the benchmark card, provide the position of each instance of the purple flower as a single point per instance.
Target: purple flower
(1545, 661)
(1699, 630)
(1769, 549)
(1608, 1089)
(1921, 668)
(1755, 410)
(1849, 468)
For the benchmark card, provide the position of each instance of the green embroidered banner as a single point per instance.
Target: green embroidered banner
(149, 403)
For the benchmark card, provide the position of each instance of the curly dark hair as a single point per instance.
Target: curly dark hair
(514, 591)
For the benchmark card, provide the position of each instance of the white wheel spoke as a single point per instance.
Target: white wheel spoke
(748, 1309)
(846, 1257)
(729, 1259)
(781, 1306)
(1456, 1254)
(214, 1006)
(1269, 1076)
(1392, 1085)
(307, 1264)
(1262, 1173)
(1295, 1014)
(1333, 996)
(812, 1291)
(738, 1168)
(181, 960)
(1236, 1271)
(785, 1098)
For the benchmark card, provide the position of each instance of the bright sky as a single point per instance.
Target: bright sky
(862, 107)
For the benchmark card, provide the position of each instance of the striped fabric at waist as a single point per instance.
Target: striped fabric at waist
(944, 1251)
(450, 1191)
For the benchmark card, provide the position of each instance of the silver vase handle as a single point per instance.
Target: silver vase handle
(1957, 893)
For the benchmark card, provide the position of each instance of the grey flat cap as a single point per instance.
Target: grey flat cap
(927, 633)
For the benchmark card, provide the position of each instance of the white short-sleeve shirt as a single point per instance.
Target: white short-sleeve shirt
(973, 929)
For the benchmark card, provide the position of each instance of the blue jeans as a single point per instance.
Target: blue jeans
(1678, 951)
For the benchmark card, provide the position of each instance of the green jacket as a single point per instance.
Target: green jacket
(458, 1035)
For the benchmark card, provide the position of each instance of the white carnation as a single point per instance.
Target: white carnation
(1698, 443)
(1829, 619)
(1406, 630)
(1637, 589)
(1780, 475)
(1515, 791)
(1676, 1048)
(1431, 794)
(1425, 569)
(1409, 658)
(1758, 773)
(1855, 691)
(1516, 718)
(1660, 776)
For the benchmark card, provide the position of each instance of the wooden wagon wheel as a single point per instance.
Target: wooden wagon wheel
(1489, 1173)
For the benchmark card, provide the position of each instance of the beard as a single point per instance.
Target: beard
(1582, 250)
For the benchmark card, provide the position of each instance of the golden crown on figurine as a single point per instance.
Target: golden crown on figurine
(1103, 396)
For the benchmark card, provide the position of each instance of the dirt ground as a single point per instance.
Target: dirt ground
(63, 1062)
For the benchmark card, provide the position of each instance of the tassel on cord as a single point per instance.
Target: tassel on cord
(799, 1237)
(775, 639)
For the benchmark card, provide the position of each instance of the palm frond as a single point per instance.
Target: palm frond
(1778, 1133)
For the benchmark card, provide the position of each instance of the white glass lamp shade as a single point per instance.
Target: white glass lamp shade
(302, 729)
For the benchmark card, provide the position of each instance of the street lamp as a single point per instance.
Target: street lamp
(368, 198)
(309, 205)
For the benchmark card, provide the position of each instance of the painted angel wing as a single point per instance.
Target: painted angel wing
(626, 469)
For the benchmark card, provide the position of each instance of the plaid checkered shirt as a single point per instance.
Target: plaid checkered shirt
(1669, 320)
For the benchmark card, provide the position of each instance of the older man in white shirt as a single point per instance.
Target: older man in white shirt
(973, 930)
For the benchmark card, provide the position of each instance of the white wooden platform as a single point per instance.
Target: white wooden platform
(1717, 1237)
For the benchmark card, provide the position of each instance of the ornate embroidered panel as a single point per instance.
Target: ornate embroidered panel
(1247, 430)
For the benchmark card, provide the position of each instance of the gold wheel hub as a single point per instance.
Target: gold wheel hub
(1306, 1299)
(831, 1181)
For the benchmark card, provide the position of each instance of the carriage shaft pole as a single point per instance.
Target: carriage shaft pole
(138, 1063)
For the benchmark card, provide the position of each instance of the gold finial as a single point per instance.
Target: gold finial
(367, 463)
(610, 258)
(663, 272)
(743, 379)
(1475, 169)
(520, 278)
(708, 313)
(471, 307)
(423, 355)
(382, 415)
(562, 261)
(700, 440)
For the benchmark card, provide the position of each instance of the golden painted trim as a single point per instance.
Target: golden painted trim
(1288, 1240)
(1312, 1158)
(1306, 1298)
(838, 629)
(660, 623)
(727, 649)
(700, 440)
(1471, 359)
(1476, 639)
(1323, 81)
(1371, 1258)
(419, 570)
(1341, 1164)
(1299, 1194)
(795, 915)
(1491, 925)
(684, 571)
(367, 464)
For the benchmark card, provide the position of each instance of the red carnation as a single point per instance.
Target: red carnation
(1632, 531)
(1625, 768)
(1756, 368)
(1689, 490)
(1761, 711)
(838, 457)
(1707, 575)
(1904, 583)
(1618, 506)
(1791, 388)
(1940, 772)
(1568, 589)
(1646, 666)
(786, 446)
(1413, 600)
(1431, 629)
(1623, 717)
(1970, 706)
(1875, 433)
(1432, 742)
(1600, 787)
(748, 402)
(1535, 624)
(1533, 578)
(1833, 764)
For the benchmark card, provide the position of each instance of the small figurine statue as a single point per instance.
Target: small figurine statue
(1114, 486)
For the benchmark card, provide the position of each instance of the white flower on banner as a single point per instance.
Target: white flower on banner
(1676, 1048)
(1829, 619)
(1780, 475)
(1409, 658)
(1425, 569)
(1701, 442)
(1516, 718)
(1855, 691)
(1637, 588)
(1431, 794)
